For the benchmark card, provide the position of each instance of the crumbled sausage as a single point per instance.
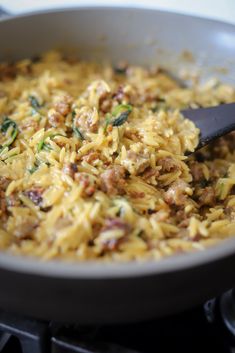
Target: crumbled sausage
(207, 197)
(3, 205)
(4, 182)
(13, 200)
(86, 119)
(105, 105)
(7, 72)
(113, 180)
(25, 228)
(63, 105)
(176, 194)
(168, 164)
(149, 173)
(30, 124)
(136, 194)
(135, 163)
(197, 171)
(55, 118)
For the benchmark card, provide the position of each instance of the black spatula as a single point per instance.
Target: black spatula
(212, 122)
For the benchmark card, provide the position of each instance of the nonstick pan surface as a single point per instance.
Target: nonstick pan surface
(96, 292)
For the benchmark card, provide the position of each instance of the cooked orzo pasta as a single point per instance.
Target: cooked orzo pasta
(93, 164)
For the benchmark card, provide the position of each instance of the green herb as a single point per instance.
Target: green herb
(33, 169)
(78, 133)
(42, 145)
(121, 119)
(73, 114)
(7, 123)
(121, 108)
(34, 102)
(122, 111)
(76, 130)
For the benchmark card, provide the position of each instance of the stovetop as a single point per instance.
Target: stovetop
(208, 328)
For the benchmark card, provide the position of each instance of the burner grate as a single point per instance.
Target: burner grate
(35, 336)
(211, 329)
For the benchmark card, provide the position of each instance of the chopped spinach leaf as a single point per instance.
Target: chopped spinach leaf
(76, 130)
(121, 112)
(121, 119)
(42, 145)
(7, 123)
(73, 114)
(121, 108)
(33, 169)
(34, 102)
(78, 133)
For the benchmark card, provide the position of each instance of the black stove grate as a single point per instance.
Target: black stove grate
(208, 329)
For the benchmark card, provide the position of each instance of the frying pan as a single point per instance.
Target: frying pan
(118, 292)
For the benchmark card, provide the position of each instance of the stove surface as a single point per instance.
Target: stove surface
(210, 328)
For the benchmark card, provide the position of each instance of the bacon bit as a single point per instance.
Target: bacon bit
(4, 182)
(115, 223)
(70, 169)
(90, 190)
(35, 195)
(110, 128)
(113, 180)
(149, 173)
(136, 194)
(87, 184)
(63, 106)
(55, 118)
(90, 157)
(176, 195)
(119, 95)
(105, 105)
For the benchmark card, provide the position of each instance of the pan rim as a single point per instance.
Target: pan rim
(114, 270)
(90, 270)
(137, 7)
